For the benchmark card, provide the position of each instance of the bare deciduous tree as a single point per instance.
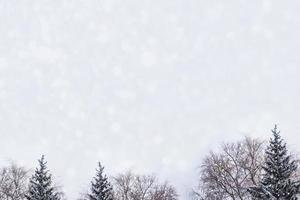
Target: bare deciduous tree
(129, 186)
(228, 173)
(164, 192)
(13, 182)
(123, 185)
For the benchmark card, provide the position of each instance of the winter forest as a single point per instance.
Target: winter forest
(149, 100)
(248, 169)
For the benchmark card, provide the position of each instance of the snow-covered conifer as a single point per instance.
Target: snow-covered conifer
(40, 185)
(277, 182)
(101, 188)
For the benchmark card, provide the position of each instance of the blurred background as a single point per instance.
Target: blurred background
(145, 85)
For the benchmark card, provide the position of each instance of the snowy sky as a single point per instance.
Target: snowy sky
(148, 85)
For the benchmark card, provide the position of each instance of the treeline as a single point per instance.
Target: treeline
(244, 170)
(16, 184)
(249, 169)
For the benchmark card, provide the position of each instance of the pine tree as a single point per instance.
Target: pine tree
(277, 183)
(40, 185)
(101, 188)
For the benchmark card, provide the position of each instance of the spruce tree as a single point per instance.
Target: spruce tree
(40, 185)
(277, 182)
(101, 188)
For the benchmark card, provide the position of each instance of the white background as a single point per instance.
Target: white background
(148, 85)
